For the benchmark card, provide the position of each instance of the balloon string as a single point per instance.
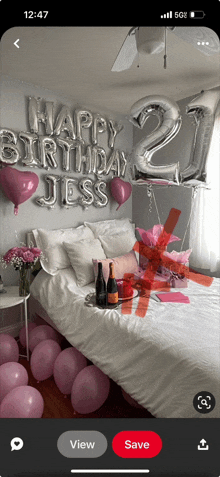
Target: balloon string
(138, 56)
(194, 191)
(155, 203)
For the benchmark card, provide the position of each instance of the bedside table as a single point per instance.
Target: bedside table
(12, 298)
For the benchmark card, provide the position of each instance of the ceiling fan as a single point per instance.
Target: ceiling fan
(151, 40)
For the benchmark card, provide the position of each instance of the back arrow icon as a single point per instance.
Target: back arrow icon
(16, 43)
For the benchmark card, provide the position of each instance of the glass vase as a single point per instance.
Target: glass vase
(24, 283)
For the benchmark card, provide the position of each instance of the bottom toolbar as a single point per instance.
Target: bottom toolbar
(64, 447)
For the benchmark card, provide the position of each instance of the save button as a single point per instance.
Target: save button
(137, 444)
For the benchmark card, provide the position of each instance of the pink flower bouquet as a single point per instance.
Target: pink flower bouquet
(18, 256)
(22, 258)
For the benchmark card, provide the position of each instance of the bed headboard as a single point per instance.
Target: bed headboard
(31, 240)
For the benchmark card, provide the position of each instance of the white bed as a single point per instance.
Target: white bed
(162, 360)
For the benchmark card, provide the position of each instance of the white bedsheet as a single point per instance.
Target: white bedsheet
(162, 360)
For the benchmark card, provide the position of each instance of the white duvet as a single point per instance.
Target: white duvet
(162, 360)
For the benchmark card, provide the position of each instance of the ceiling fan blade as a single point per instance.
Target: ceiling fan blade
(127, 53)
(202, 38)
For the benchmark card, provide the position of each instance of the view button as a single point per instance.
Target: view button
(84, 444)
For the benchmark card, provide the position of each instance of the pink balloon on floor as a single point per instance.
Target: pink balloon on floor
(66, 367)
(22, 402)
(90, 390)
(40, 333)
(12, 375)
(9, 350)
(22, 333)
(43, 359)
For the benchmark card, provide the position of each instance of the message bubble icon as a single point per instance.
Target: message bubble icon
(16, 443)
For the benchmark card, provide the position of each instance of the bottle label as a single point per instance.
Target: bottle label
(101, 299)
(113, 297)
(101, 296)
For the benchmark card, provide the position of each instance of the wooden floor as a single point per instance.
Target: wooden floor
(56, 405)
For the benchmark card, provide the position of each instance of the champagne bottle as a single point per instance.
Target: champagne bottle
(112, 289)
(101, 295)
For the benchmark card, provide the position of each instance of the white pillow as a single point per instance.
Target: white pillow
(117, 244)
(81, 255)
(51, 244)
(109, 227)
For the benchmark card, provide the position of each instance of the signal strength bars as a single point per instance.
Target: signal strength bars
(167, 15)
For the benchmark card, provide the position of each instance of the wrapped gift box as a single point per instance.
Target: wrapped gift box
(177, 281)
(172, 279)
(160, 281)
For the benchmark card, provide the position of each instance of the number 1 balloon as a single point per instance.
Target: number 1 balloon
(169, 124)
(203, 109)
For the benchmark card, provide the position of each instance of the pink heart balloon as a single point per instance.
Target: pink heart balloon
(120, 190)
(18, 186)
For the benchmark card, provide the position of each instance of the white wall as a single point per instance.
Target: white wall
(14, 116)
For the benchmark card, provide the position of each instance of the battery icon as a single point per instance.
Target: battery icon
(196, 14)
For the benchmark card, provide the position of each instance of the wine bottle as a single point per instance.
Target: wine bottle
(101, 295)
(112, 289)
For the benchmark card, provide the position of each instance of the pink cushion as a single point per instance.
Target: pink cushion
(124, 264)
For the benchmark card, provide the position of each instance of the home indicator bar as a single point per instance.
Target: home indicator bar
(110, 471)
